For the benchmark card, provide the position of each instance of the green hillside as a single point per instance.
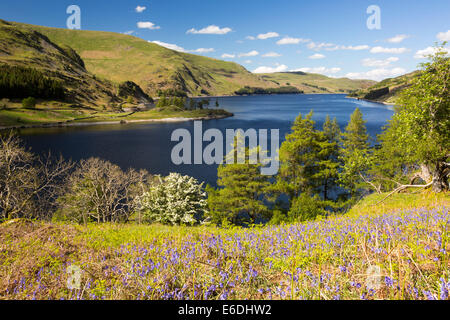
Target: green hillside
(29, 51)
(317, 83)
(119, 58)
(387, 90)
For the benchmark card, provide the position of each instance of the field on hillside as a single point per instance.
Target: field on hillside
(116, 58)
(395, 85)
(119, 58)
(317, 83)
(389, 251)
(59, 113)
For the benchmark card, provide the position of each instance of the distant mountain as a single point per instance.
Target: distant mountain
(386, 91)
(27, 51)
(120, 58)
(317, 83)
(95, 66)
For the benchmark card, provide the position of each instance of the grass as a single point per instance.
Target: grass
(395, 85)
(317, 83)
(400, 253)
(118, 58)
(16, 116)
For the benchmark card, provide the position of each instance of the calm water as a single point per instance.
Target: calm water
(148, 146)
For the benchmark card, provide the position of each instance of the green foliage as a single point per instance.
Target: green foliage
(29, 103)
(175, 200)
(130, 99)
(355, 154)
(298, 158)
(306, 208)
(241, 194)
(419, 133)
(309, 158)
(279, 217)
(329, 163)
(171, 93)
(165, 102)
(21, 82)
(98, 191)
(282, 90)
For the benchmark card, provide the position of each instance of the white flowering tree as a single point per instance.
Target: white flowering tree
(176, 200)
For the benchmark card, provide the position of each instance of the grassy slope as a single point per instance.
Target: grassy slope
(404, 201)
(317, 83)
(395, 87)
(27, 48)
(119, 58)
(58, 113)
(154, 262)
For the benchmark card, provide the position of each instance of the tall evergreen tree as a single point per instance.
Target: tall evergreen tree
(329, 157)
(355, 154)
(298, 159)
(241, 194)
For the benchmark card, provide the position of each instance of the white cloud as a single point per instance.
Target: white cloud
(316, 56)
(228, 56)
(271, 55)
(268, 35)
(334, 47)
(128, 32)
(318, 46)
(279, 68)
(140, 9)
(320, 70)
(203, 50)
(248, 61)
(212, 29)
(444, 36)
(389, 50)
(422, 54)
(369, 62)
(181, 49)
(289, 40)
(398, 38)
(147, 25)
(249, 54)
(377, 74)
(169, 46)
(355, 48)
(250, 38)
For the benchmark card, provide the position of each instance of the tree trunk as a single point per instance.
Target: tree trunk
(438, 174)
(440, 178)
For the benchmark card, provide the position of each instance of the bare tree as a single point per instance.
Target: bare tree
(29, 185)
(100, 191)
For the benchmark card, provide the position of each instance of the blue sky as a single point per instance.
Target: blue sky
(328, 37)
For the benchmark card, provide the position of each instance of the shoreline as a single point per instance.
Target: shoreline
(374, 101)
(121, 122)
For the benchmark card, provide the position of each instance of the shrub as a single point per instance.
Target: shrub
(99, 191)
(175, 200)
(29, 103)
(29, 184)
(306, 208)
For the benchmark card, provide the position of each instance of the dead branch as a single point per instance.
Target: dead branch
(404, 187)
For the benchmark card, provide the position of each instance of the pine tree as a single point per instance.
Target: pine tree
(241, 194)
(355, 154)
(299, 159)
(329, 157)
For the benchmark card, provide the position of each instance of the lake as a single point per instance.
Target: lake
(149, 146)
